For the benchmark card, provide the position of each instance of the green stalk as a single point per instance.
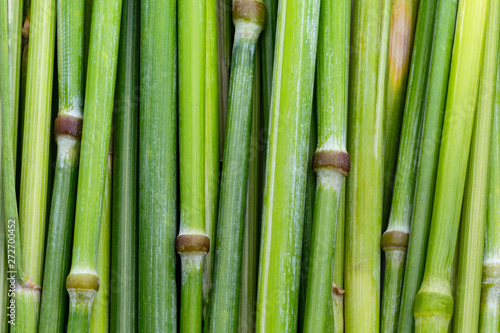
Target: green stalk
(4, 283)
(82, 282)
(192, 243)
(250, 252)
(99, 317)
(212, 154)
(370, 44)
(470, 254)
(248, 17)
(158, 170)
(330, 161)
(434, 302)
(395, 239)
(442, 22)
(67, 131)
(267, 54)
(489, 320)
(35, 167)
(286, 166)
(338, 268)
(124, 289)
(403, 20)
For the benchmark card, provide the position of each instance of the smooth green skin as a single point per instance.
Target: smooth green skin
(331, 99)
(267, 55)
(250, 252)
(99, 317)
(365, 181)
(442, 22)
(472, 226)
(286, 166)
(192, 34)
(489, 318)
(225, 298)
(338, 266)
(124, 289)
(430, 315)
(4, 299)
(158, 167)
(403, 21)
(58, 249)
(212, 153)
(407, 166)
(96, 133)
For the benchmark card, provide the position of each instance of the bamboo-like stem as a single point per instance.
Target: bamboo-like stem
(35, 167)
(250, 251)
(192, 243)
(467, 293)
(442, 22)
(99, 317)
(158, 171)
(330, 161)
(267, 55)
(368, 72)
(212, 154)
(67, 131)
(434, 302)
(248, 17)
(403, 20)
(82, 282)
(124, 286)
(489, 320)
(338, 268)
(395, 239)
(286, 166)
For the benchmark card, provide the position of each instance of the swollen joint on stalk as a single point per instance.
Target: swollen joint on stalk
(66, 125)
(394, 240)
(192, 244)
(337, 161)
(249, 17)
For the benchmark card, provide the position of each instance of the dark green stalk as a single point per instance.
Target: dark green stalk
(250, 252)
(434, 302)
(439, 17)
(82, 282)
(330, 161)
(338, 268)
(124, 287)
(53, 312)
(158, 171)
(267, 52)
(286, 166)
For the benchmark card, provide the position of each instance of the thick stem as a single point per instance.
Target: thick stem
(434, 302)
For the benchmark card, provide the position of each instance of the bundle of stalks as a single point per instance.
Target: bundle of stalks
(434, 302)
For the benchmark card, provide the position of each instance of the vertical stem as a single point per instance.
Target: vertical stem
(330, 161)
(286, 166)
(124, 287)
(434, 302)
(368, 72)
(4, 283)
(192, 243)
(158, 170)
(267, 53)
(470, 253)
(338, 268)
(82, 282)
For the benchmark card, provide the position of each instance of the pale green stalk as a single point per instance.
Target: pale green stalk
(338, 268)
(434, 302)
(4, 298)
(471, 245)
(286, 166)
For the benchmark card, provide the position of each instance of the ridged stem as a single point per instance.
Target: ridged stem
(472, 226)
(82, 282)
(338, 268)
(434, 302)
(332, 84)
(99, 317)
(4, 283)
(158, 170)
(286, 165)
(368, 73)
(438, 17)
(124, 286)
(267, 55)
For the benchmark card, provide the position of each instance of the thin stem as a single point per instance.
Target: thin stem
(368, 72)
(267, 54)
(82, 282)
(4, 283)
(338, 268)
(124, 286)
(286, 166)
(470, 253)
(434, 302)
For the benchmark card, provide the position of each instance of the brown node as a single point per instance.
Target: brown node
(188, 243)
(250, 10)
(394, 240)
(82, 281)
(68, 125)
(337, 290)
(28, 284)
(25, 30)
(331, 159)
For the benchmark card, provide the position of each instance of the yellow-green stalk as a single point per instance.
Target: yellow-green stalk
(434, 301)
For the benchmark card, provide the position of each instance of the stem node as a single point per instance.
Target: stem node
(394, 240)
(332, 159)
(190, 243)
(250, 10)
